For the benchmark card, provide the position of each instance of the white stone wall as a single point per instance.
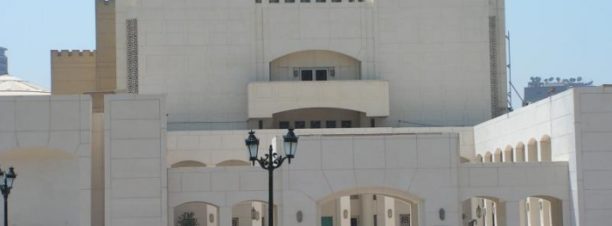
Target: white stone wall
(593, 112)
(48, 141)
(135, 156)
(203, 54)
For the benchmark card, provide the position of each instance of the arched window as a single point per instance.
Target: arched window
(488, 157)
(497, 157)
(532, 150)
(508, 154)
(545, 149)
(188, 163)
(519, 152)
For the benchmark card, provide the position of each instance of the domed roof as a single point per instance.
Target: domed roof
(13, 86)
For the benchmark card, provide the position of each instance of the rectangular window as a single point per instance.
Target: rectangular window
(306, 75)
(315, 124)
(283, 125)
(330, 124)
(375, 218)
(274, 1)
(305, 1)
(321, 75)
(257, 1)
(289, 1)
(372, 123)
(336, 0)
(260, 124)
(320, 0)
(300, 124)
(346, 124)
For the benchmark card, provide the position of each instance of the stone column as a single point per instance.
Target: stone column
(344, 211)
(389, 204)
(534, 211)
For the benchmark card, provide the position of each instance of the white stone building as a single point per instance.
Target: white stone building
(399, 105)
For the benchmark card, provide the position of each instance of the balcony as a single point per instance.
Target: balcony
(370, 97)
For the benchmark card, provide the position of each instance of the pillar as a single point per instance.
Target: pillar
(389, 205)
(533, 211)
(366, 209)
(344, 211)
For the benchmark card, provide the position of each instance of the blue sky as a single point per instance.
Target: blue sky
(558, 38)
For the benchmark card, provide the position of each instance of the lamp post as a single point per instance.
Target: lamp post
(271, 161)
(6, 184)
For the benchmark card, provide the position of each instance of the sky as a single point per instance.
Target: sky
(549, 38)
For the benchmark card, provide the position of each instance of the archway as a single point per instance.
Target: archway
(313, 65)
(47, 190)
(541, 211)
(252, 213)
(205, 214)
(545, 149)
(519, 152)
(482, 211)
(369, 206)
(188, 163)
(532, 150)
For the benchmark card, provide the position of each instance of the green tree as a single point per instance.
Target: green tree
(187, 219)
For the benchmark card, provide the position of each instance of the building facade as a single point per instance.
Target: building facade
(400, 108)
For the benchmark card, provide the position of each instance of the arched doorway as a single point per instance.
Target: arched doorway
(369, 207)
(252, 213)
(196, 213)
(482, 211)
(541, 211)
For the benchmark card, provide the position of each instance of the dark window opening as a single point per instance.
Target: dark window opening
(372, 123)
(346, 124)
(336, 0)
(260, 124)
(289, 1)
(300, 124)
(306, 75)
(306, 1)
(330, 124)
(315, 124)
(283, 125)
(274, 1)
(321, 75)
(320, 0)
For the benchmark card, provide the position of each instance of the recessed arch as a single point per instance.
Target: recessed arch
(532, 150)
(508, 154)
(188, 163)
(338, 66)
(545, 149)
(483, 210)
(519, 152)
(488, 157)
(233, 162)
(320, 116)
(205, 214)
(541, 210)
(497, 156)
(343, 207)
(252, 212)
(478, 158)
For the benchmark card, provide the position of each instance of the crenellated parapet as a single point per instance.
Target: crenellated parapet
(69, 53)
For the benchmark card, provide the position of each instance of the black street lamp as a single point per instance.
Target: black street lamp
(6, 184)
(271, 161)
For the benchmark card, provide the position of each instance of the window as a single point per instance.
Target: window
(300, 124)
(346, 124)
(289, 1)
(315, 124)
(306, 75)
(321, 75)
(283, 125)
(306, 1)
(336, 0)
(235, 221)
(372, 123)
(274, 1)
(375, 218)
(310, 74)
(320, 0)
(330, 124)
(257, 1)
(260, 124)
